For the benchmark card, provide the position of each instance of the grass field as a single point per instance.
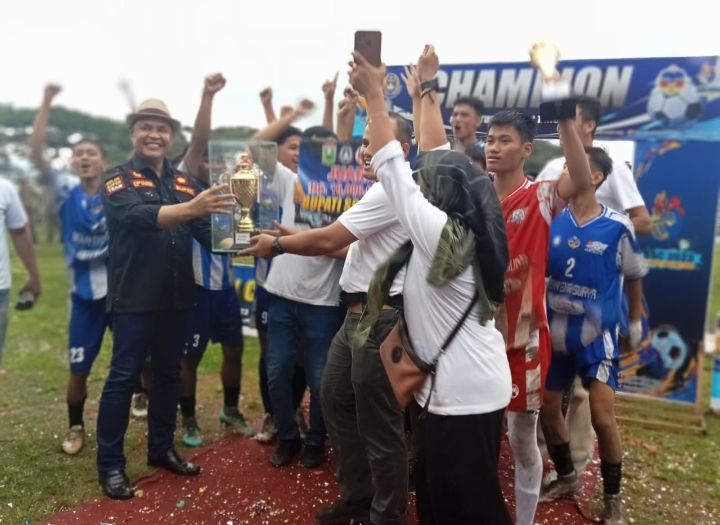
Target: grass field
(669, 478)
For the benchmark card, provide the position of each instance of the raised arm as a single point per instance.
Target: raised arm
(274, 129)
(266, 100)
(432, 130)
(576, 159)
(422, 221)
(412, 84)
(328, 89)
(36, 141)
(201, 130)
(346, 115)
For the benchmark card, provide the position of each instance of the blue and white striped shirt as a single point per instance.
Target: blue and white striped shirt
(85, 239)
(586, 266)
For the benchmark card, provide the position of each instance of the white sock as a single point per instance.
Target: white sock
(522, 432)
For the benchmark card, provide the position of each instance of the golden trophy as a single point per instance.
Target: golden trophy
(555, 93)
(247, 168)
(244, 183)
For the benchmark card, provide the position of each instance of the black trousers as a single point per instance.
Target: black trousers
(456, 477)
(162, 336)
(365, 423)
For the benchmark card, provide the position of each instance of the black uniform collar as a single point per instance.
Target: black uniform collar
(138, 164)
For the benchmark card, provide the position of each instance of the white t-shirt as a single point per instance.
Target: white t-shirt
(13, 217)
(283, 184)
(618, 192)
(311, 280)
(473, 374)
(373, 221)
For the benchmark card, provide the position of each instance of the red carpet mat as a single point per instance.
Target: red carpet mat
(238, 486)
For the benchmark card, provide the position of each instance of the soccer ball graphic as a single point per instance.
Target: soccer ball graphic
(671, 347)
(674, 100)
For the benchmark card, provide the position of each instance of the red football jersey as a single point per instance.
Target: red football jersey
(528, 212)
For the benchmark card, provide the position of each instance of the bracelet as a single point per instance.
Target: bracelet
(430, 85)
(427, 87)
(276, 247)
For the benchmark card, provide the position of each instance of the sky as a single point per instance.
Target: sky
(164, 48)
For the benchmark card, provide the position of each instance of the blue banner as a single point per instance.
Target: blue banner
(679, 182)
(666, 97)
(332, 180)
(245, 288)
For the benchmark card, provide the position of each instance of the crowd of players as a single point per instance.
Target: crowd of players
(138, 250)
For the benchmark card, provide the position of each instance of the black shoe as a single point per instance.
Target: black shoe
(342, 512)
(115, 485)
(173, 462)
(312, 456)
(285, 452)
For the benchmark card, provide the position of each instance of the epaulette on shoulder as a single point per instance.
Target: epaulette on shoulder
(113, 172)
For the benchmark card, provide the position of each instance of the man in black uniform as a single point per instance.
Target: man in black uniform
(152, 210)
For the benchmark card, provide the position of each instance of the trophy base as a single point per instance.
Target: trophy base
(554, 90)
(245, 225)
(242, 238)
(556, 110)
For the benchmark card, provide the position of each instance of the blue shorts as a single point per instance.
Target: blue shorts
(215, 316)
(88, 320)
(262, 305)
(592, 362)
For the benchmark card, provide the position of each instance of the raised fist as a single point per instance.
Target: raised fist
(214, 83)
(266, 95)
(51, 91)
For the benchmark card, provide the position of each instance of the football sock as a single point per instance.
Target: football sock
(560, 455)
(232, 396)
(75, 413)
(611, 474)
(187, 406)
(522, 432)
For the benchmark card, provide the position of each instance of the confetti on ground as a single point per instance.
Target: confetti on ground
(237, 486)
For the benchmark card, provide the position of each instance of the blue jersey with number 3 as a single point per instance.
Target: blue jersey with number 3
(586, 266)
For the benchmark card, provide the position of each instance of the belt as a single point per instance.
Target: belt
(359, 307)
(355, 302)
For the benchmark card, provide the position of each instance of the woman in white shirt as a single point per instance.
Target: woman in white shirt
(458, 250)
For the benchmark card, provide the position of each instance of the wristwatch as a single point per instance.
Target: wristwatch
(276, 247)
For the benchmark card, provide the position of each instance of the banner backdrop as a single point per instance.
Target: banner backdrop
(245, 287)
(332, 180)
(679, 182)
(675, 97)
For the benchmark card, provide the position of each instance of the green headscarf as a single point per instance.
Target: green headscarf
(474, 235)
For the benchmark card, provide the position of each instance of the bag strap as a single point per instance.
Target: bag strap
(443, 349)
(454, 332)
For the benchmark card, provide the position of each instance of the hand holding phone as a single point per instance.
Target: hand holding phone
(368, 44)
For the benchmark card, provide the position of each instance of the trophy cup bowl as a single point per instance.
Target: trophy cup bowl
(544, 57)
(555, 92)
(244, 186)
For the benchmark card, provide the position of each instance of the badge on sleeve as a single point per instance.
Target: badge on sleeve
(185, 189)
(114, 185)
(182, 184)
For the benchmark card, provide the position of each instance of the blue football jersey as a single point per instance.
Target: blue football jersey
(85, 239)
(212, 271)
(586, 266)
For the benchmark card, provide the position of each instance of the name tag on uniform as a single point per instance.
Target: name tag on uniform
(143, 183)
